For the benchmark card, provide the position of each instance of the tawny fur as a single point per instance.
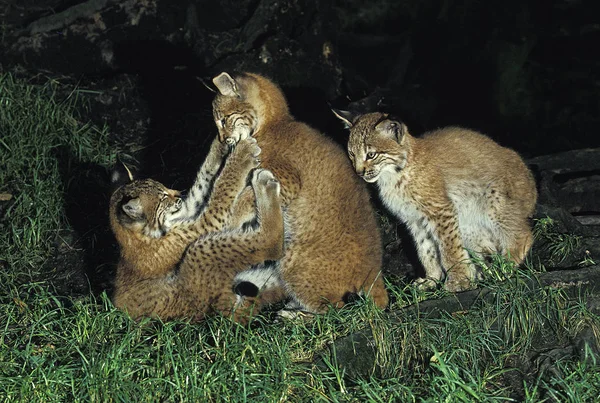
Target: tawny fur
(332, 244)
(457, 190)
(187, 270)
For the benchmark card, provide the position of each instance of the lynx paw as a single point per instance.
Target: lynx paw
(263, 178)
(425, 284)
(458, 283)
(248, 152)
(293, 315)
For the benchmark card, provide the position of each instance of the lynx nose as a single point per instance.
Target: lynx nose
(360, 169)
(230, 141)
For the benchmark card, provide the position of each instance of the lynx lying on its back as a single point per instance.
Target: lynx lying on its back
(173, 265)
(455, 189)
(332, 245)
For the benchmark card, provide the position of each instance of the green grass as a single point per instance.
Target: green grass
(559, 245)
(35, 124)
(56, 348)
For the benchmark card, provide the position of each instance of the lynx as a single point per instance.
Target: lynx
(455, 189)
(175, 264)
(332, 242)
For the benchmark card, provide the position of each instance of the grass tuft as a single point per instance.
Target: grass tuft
(560, 245)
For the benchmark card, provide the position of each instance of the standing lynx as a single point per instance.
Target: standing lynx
(332, 242)
(173, 265)
(455, 189)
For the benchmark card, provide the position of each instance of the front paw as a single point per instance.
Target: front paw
(247, 153)
(263, 178)
(238, 134)
(219, 150)
(458, 283)
(425, 284)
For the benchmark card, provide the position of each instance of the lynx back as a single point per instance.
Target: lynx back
(332, 247)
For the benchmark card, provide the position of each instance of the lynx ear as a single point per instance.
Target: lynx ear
(134, 209)
(393, 129)
(226, 85)
(348, 118)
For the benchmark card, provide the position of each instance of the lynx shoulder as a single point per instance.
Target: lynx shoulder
(332, 247)
(171, 267)
(455, 189)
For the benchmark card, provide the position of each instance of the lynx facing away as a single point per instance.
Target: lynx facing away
(176, 266)
(455, 189)
(332, 243)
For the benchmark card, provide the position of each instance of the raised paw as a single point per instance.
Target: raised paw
(249, 146)
(247, 152)
(263, 178)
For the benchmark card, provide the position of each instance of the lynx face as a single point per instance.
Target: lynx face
(235, 119)
(376, 145)
(234, 108)
(144, 206)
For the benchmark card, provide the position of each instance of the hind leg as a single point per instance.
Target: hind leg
(316, 282)
(522, 240)
(244, 209)
(509, 210)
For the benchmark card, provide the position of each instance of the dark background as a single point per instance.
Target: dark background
(526, 73)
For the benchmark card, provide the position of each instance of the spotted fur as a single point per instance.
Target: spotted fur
(332, 242)
(185, 268)
(456, 190)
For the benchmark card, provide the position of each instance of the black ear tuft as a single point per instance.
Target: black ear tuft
(347, 117)
(121, 174)
(206, 84)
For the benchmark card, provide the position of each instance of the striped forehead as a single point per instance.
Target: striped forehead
(364, 128)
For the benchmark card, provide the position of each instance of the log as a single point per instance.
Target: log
(587, 159)
(65, 18)
(571, 181)
(356, 354)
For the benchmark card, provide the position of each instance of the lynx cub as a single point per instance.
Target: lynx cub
(175, 265)
(456, 190)
(332, 244)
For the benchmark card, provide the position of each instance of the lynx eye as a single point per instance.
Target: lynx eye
(371, 155)
(223, 121)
